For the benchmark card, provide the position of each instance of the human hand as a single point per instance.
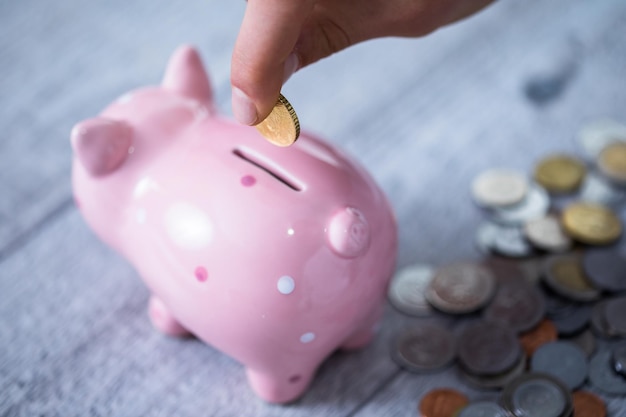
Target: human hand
(278, 37)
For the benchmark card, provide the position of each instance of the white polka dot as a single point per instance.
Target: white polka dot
(307, 337)
(290, 231)
(141, 216)
(286, 284)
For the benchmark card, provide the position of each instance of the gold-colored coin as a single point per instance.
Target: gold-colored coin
(281, 127)
(591, 223)
(612, 161)
(560, 173)
(566, 275)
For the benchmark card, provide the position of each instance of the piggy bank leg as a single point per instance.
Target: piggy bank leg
(275, 387)
(163, 320)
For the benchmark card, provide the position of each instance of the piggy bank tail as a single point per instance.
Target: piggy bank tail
(101, 145)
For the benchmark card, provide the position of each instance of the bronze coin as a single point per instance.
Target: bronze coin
(587, 404)
(442, 402)
(544, 332)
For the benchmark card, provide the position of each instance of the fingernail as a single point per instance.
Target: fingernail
(291, 65)
(243, 108)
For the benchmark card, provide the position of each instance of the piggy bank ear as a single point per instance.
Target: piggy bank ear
(101, 144)
(185, 75)
(348, 233)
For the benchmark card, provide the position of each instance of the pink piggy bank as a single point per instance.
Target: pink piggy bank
(275, 256)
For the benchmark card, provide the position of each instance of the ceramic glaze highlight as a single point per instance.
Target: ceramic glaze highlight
(275, 256)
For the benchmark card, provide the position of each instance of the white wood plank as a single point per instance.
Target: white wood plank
(424, 116)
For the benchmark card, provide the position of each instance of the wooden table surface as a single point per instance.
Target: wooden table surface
(423, 115)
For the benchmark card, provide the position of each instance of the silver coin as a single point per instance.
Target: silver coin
(535, 205)
(531, 269)
(486, 236)
(599, 324)
(569, 317)
(406, 291)
(606, 268)
(615, 316)
(516, 305)
(460, 288)
(506, 240)
(595, 136)
(547, 233)
(603, 377)
(537, 395)
(498, 381)
(510, 241)
(488, 349)
(563, 360)
(483, 409)
(565, 275)
(508, 270)
(499, 188)
(619, 359)
(596, 189)
(584, 340)
(425, 348)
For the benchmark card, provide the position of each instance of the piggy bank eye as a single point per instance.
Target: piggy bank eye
(348, 233)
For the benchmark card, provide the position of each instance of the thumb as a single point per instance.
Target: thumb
(263, 55)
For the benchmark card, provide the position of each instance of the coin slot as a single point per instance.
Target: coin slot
(268, 166)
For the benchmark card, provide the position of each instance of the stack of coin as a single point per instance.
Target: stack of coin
(551, 283)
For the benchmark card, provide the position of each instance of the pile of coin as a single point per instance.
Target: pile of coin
(528, 314)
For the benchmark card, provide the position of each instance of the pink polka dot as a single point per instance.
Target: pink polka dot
(201, 274)
(248, 180)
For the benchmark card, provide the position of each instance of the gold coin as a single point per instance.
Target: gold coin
(612, 161)
(560, 173)
(281, 127)
(591, 223)
(566, 276)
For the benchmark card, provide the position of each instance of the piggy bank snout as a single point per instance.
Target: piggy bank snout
(349, 233)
